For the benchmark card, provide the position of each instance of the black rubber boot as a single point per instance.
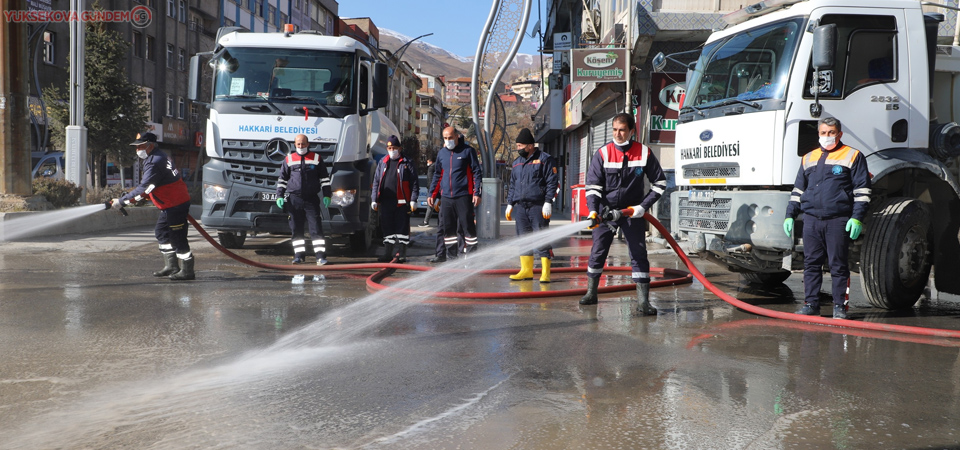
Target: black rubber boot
(387, 253)
(644, 308)
(186, 271)
(402, 253)
(171, 265)
(590, 298)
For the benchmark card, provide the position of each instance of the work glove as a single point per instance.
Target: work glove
(326, 202)
(280, 202)
(594, 220)
(507, 214)
(854, 226)
(413, 207)
(116, 204)
(638, 211)
(788, 226)
(373, 206)
(547, 210)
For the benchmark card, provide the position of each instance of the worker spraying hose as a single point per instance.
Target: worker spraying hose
(614, 183)
(162, 183)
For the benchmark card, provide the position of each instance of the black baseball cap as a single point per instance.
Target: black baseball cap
(143, 138)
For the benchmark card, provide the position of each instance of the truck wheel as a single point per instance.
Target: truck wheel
(232, 240)
(766, 278)
(361, 241)
(895, 260)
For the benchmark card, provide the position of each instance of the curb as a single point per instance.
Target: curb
(97, 222)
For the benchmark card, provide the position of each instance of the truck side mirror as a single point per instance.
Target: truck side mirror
(824, 46)
(381, 84)
(193, 88)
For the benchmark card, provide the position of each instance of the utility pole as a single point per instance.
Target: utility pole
(76, 134)
(14, 104)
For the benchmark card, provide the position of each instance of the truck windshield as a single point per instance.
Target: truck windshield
(751, 65)
(286, 75)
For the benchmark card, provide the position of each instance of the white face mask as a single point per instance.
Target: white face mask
(394, 154)
(621, 144)
(827, 141)
(302, 151)
(450, 144)
(142, 154)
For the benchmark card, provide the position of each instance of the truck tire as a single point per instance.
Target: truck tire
(895, 260)
(361, 241)
(766, 278)
(232, 240)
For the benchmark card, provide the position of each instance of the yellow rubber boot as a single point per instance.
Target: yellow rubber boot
(544, 270)
(526, 269)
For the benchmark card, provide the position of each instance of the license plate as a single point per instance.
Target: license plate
(701, 196)
(267, 196)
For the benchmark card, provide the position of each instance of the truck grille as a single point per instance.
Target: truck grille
(252, 163)
(710, 170)
(708, 216)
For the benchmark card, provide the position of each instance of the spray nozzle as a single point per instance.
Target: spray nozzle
(109, 204)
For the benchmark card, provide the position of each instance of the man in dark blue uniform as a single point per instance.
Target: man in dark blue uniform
(530, 196)
(395, 192)
(457, 180)
(161, 181)
(303, 177)
(833, 192)
(615, 182)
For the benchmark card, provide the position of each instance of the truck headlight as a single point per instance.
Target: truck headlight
(213, 193)
(343, 198)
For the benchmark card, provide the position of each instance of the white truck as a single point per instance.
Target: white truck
(750, 112)
(266, 89)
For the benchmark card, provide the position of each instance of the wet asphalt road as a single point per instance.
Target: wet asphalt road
(98, 354)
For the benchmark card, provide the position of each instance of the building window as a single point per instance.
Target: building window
(151, 54)
(48, 53)
(148, 99)
(194, 113)
(169, 105)
(251, 5)
(181, 58)
(170, 56)
(182, 11)
(284, 19)
(171, 9)
(137, 44)
(273, 17)
(181, 108)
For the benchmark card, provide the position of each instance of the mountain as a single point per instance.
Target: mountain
(434, 60)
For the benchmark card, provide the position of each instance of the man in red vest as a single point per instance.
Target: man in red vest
(162, 183)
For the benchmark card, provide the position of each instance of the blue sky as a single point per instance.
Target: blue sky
(455, 24)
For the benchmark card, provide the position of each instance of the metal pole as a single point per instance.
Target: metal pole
(76, 133)
(488, 118)
(475, 89)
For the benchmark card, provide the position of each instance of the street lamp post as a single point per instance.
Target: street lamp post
(399, 53)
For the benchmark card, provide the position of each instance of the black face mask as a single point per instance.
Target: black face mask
(523, 153)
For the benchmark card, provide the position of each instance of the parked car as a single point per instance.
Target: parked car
(47, 165)
(422, 198)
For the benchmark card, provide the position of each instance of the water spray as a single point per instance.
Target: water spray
(109, 204)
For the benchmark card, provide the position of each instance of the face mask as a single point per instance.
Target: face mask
(523, 153)
(142, 154)
(621, 144)
(450, 144)
(302, 151)
(827, 141)
(394, 154)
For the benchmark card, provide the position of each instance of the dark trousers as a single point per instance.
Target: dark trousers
(634, 231)
(825, 241)
(441, 248)
(395, 223)
(457, 213)
(306, 212)
(529, 218)
(171, 230)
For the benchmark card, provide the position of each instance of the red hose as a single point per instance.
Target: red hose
(373, 283)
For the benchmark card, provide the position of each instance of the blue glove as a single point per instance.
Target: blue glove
(280, 203)
(788, 226)
(326, 202)
(854, 226)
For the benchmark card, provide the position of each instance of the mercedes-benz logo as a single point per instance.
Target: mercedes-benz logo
(277, 149)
